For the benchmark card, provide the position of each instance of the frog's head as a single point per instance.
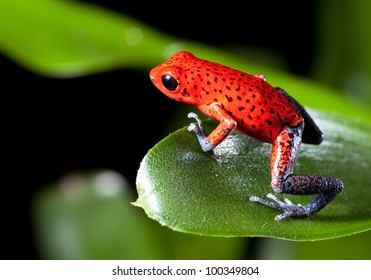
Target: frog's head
(174, 79)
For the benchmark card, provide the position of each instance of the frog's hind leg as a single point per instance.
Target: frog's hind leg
(285, 151)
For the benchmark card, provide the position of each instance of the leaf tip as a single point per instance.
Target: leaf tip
(137, 203)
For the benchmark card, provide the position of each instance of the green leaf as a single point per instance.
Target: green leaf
(70, 38)
(62, 38)
(88, 215)
(186, 190)
(345, 248)
(343, 58)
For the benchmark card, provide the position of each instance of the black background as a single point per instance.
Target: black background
(53, 126)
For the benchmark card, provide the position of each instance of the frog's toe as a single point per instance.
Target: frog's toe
(193, 127)
(288, 208)
(199, 130)
(292, 210)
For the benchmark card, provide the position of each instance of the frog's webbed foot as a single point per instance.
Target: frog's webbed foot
(201, 135)
(288, 208)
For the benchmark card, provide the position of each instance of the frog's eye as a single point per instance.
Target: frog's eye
(169, 82)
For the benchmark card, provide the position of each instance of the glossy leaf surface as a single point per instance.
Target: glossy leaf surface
(187, 190)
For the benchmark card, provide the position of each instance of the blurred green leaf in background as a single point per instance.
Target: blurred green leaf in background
(89, 215)
(343, 52)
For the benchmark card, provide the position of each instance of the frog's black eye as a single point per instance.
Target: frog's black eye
(169, 82)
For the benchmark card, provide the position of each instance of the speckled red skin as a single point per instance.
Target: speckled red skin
(250, 105)
(259, 109)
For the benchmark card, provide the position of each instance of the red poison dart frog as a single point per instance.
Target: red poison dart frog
(248, 104)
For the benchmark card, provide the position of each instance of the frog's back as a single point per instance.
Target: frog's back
(259, 109)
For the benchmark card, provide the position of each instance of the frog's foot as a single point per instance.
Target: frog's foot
(201, 135)
(288, 208)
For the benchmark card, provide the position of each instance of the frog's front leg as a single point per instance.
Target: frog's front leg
(226, 125)
(285, 151)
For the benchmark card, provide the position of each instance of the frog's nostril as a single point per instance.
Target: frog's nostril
(152, 74)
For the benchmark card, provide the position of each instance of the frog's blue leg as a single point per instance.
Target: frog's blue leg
(200, 132)
(201, 135)
(304, 185)
(285, 151)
